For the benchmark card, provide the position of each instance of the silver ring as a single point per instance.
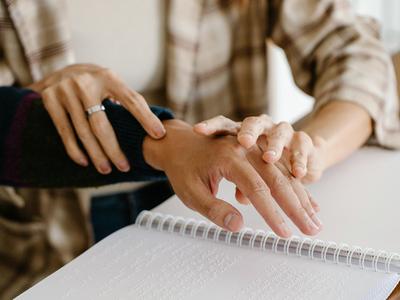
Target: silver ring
(94, 109)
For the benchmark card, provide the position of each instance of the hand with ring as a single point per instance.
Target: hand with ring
(73, 97)
(302, 155)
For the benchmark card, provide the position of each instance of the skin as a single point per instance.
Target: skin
(68, 93)
(196, 164)
(325, 138)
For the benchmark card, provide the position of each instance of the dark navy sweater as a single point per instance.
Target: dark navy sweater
(32, 153)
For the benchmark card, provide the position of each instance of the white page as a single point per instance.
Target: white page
(138, 264)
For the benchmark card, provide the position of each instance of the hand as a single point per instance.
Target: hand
(302, 155)
(195, 165)
(69, 92)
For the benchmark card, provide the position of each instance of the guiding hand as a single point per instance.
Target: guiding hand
(196, 164)
(302, 155)
(70, 92)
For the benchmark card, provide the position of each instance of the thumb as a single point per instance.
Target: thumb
(216, 210)
(217, 126)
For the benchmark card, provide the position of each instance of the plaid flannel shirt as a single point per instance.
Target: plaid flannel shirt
(216, 64)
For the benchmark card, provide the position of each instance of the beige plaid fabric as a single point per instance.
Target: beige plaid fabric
(216, 64)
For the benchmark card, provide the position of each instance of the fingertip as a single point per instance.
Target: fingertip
(315, 205)
(284, 230)
(158, 131)
(299, 171)
(311, 228)
(233, 222)
(200, 128)
(270, 156)
(82, 162)
(241, 198)
(124, 166)
(104, 168)
(246, 140)
(77, 156)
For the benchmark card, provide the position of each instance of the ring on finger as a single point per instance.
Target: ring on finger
(94, 109)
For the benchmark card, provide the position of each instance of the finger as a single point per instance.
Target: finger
(64, 128)
(106, 136)
(217, 126)
(102, 129)
(85, 134)
(241, 198)
(314, 203)
(41, 85)
(277, 139)
(308, 204)
(136, 105)
(218, 211)
(305, 201)
(282, 191)
(252, 128)
(314, 168)
(254, 188)
(300, 210)
(300, 148)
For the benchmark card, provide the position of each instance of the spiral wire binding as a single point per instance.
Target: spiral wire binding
(364, 255)
(376, 259)
(312, 248)
(360, 250)
(254, 237)
(388, 262)
(325, 251)
(270, 241)
(242, 234)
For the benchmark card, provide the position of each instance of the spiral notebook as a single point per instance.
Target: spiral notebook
(164, 256)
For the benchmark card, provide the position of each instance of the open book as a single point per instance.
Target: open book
(167, 257)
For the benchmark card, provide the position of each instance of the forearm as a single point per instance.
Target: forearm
(338, 129)
(32, 153)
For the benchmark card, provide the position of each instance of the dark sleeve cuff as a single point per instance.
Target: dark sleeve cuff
(131, 134)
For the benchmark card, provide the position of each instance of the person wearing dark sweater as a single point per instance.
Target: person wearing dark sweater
(32, 155)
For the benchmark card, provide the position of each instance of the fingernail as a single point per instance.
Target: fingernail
(269, 156)
(124, 166)
(246, 140)
(316, 220)
(284, 229)
(299, 166)
(271, 152)
(233, 222)
(83, 162)
(159, 131)
(310, 224)
(299, 169)
(201, 126)
(105, 168)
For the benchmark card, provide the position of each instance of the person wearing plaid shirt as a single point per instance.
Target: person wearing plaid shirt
(216, 65)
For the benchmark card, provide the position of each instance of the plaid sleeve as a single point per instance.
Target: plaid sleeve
(336, 55)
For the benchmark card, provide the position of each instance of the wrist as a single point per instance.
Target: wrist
(158, 152)
(321, 145)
